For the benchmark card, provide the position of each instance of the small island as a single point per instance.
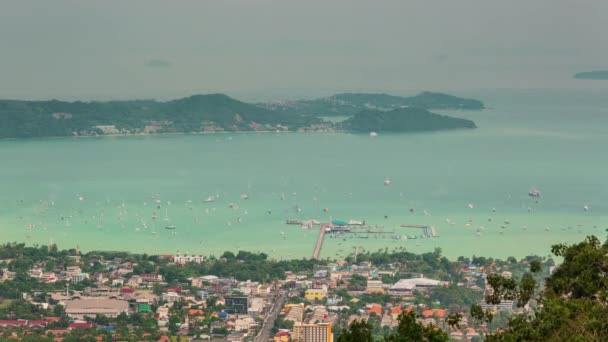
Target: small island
(592, 75)
(403, 120)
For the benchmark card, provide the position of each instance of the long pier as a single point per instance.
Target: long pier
(317, 251)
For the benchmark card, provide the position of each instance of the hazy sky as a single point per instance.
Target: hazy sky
(264, 49)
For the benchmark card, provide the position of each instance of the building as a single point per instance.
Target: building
(79, 277)
(315, 294)
(295, 313)
(312, 333)
(405, 287)
(374, 286)
(237, 305)
(185, 258)
(282, 336)
(171, 297)
(79, 308)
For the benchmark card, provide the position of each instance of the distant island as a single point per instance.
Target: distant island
(403, 120)
(215, 113)
(592, 75)
(349, 104)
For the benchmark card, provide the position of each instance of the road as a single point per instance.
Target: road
(266, 331)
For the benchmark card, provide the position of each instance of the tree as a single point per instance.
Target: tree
(573, 303)
(174, 323)
(409, 330)
(358, 331)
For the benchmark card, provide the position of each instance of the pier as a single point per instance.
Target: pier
(427, 231)
(317, 251)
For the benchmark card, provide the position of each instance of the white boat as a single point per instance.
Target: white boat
(373, 134)
(210, 199)
(355, 223)
(244, 196)
(534, 192)
(586, 208)
(387, 181)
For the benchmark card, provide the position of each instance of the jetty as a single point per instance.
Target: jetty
(317, 251)
(427, 231)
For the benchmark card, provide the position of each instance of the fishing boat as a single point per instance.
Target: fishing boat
(210, 199)
(534, 192)
(170, 226)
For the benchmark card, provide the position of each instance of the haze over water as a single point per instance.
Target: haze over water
(100, 193)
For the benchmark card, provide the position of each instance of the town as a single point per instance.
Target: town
(48, 294)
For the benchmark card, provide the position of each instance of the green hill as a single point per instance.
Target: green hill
(198, 113)
(403, 120)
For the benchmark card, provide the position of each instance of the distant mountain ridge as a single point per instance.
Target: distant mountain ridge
(349, 104)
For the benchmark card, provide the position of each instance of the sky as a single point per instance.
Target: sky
(262, 49)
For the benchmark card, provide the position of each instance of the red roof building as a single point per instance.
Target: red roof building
(80, 326)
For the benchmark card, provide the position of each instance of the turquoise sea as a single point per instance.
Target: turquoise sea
(101, 193)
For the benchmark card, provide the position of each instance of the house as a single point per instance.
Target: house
(135, 281)
(236, 337)
(436, 313)
(374, 308)
(171, 297)
(395, 312)
(151, 278)
(162, 313)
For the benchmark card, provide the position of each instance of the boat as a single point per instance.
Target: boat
(210, 199)
(244, 196)
(170, 226)
(586, 208)
(387, 181)
(534, 192)
(339, 223)
(355, 223)
(373, 134)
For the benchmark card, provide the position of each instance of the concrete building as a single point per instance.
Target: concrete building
(312, 333)
(407, 286)
(171, 297)
(79, 277)
(237, 305)
(315, 294)
(374, 286)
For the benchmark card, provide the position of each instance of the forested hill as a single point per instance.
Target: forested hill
(198, 113)
(349, 104)
(403, 120)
